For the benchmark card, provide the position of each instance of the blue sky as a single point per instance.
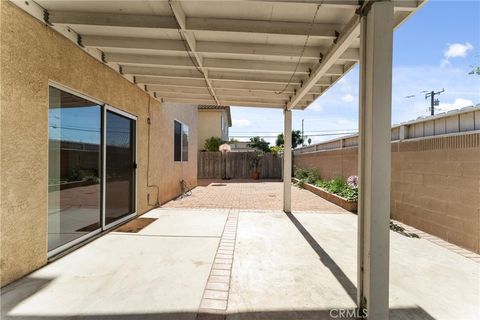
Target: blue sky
(434, 49)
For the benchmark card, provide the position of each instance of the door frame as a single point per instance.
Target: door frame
(104, 107)
(64, 247)
(104, 162)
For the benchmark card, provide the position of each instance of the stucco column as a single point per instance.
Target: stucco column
(287, 161)
(374, 158)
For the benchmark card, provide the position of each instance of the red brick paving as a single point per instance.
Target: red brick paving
(251, 195)
(215, 296)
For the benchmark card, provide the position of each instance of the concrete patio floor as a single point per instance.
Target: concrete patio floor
(297, 266)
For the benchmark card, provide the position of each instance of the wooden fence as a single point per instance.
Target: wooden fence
(236, 165)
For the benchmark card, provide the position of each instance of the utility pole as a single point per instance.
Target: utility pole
(433, 102)
(302, 134)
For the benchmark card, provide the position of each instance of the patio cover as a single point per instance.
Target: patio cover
(278, 54)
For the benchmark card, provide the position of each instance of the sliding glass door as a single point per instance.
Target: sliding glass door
(119, 166)
(91, 168)
(74, 168)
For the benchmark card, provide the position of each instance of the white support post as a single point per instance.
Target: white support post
(374, 158)
(287, 161)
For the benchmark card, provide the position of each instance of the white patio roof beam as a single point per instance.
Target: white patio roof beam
(399, 5)
(211, 47)
(348, 34)
(191, 42)
(319, 30)
(230, 102)
(216, 75)
(218, 64)
(166, 84)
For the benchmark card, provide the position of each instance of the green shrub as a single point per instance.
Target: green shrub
(212, 144)
(276, 149)
(307, 175)
(339, 187)
(336, 186)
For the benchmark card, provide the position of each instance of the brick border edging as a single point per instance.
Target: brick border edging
(440, 242)
(215, 295)
(346, 204)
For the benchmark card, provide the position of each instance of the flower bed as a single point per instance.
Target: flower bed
(340, 192)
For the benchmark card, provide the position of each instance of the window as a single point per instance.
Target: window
(180, 151)
(184, 142)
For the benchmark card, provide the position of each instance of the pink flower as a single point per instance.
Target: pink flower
(352, 181)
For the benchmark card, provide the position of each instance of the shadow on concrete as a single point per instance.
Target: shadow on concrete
(327, 261)
(414, 313)
(20, 290)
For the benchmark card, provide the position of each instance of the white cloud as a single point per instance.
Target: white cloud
(455, 50)
(347, 98)
(241, 123)
(458, 50)
(457, 104)
(316, 107)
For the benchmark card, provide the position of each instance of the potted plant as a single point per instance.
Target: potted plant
(255, 163)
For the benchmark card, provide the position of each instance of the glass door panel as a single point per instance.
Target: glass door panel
(74, 158)
(119, 167)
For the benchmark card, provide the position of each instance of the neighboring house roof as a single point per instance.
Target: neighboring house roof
(215, 107)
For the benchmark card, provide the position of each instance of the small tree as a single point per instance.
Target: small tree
(276, 149)
(259, 144)
(212, 144)
(256, 160)
(296, 139)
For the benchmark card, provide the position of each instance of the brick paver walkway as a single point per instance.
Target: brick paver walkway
(250, 195)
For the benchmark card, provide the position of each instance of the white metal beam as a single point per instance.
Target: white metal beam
(190, 39)
(374, 159)
(287, 161)
(165, 91)
(253, 98)
(218, 64)
(230, 102)
(348, 34)
(220, 90)
(211, 47)
(112, 19)
(399, 5)
(213, 75)
(222, 84)
(320, 30)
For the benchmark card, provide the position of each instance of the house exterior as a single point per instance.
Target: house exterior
(64, 117)
(213, 121)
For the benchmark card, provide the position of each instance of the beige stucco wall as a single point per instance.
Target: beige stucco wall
(208, 126)
(31, 55)
(435, 183)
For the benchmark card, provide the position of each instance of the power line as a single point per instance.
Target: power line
(312, 131)
(303, 50)
(309, 135)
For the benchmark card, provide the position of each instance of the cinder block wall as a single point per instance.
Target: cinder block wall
(33, 54)
(435, 183)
